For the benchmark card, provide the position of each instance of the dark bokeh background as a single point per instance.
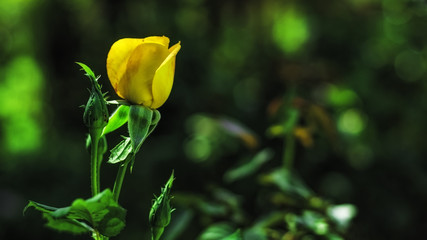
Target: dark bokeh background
(357, 67)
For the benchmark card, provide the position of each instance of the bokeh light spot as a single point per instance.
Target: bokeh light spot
(340, 96)
(21, 115)
(351, 122)
(198, 149)
(343, 213)
(290, 30)
(12, 10)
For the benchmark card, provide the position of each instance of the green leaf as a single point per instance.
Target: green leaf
(88, 71)
(120, 152)
(235, 236)
(62, 224)
(288, 182)
(222, 231)
(67, 225)
(113, 222)
(260, 228)
(255, 233)
(117, 119)
(249, 167)
(41, 207)
(101, 213)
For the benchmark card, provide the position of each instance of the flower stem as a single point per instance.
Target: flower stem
(119, 178)
(94, 174)
(96, 235)
(289, 138)
(288, 154)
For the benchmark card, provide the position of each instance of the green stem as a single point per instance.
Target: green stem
(96, 235)
(289, 139)
(94, 174)
(289, 148)
(100, 156)
(119, 179)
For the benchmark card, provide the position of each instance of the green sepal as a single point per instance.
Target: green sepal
(99, 213)
(156, 117)
(160, 213)
(120, 152)
(117, 119)
(139, 125)
(154, 121)
(88, 71)
(95, 116)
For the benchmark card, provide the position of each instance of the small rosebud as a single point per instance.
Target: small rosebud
(160, 213)
(95, 116)
(96, 113)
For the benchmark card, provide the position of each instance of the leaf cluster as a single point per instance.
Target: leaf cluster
(97, 215)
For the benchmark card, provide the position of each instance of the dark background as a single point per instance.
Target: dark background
(362, 64)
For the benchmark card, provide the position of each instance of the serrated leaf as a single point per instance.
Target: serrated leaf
(59, 224)
(112, 223)
(88, 71)
(101, 212)
(67, 225)
(120, 152)
(38, 206)
(117, 119)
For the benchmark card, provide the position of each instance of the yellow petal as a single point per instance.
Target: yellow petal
(172, 49)
(159, 40)
(117, 60)
(137, 82)
(163, 79)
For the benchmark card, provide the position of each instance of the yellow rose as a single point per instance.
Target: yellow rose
(142, 70)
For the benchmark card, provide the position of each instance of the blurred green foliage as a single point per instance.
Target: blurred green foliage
(352, 73)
